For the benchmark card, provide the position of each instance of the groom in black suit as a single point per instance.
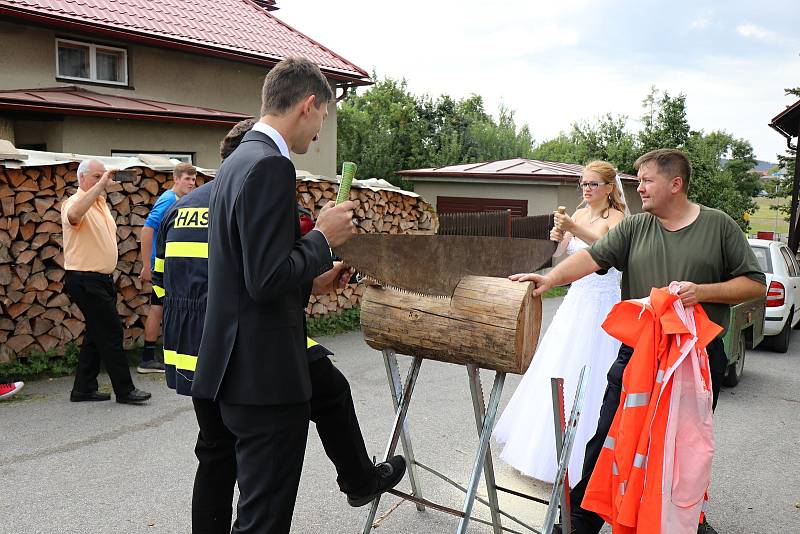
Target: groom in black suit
(260, 274)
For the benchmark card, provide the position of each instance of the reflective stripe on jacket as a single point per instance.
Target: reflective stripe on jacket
(655, 466)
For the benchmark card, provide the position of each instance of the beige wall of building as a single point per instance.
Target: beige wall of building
(543, 197)
(157, 74)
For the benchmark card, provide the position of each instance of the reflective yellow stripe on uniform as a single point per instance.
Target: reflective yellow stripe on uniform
(185, 362)
(159, 291)
(310, 343)
(186, 249)
(159, 266)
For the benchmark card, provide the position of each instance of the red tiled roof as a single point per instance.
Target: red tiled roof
(237, 29)
(77, 101)
(517, 168)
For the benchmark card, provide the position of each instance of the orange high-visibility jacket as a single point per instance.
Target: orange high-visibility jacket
(655, 466)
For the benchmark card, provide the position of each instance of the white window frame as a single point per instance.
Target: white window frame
(93, 62)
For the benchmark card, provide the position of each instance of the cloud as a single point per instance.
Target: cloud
(570, 60)
(703, 21)
(756, 32)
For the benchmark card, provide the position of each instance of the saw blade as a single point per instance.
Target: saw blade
(433, 265)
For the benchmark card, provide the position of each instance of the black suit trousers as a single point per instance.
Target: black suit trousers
(216, 471)
(584, 521)
(96, 296)
(333, 412)
(331, 409)
(270, 445)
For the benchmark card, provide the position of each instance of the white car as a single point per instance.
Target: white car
(783, 291)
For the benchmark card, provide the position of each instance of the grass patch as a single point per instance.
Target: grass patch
(766, 219)
(558, 291)
(332, 324)
(41, 365)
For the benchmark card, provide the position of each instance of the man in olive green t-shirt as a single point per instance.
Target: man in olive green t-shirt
(675, 240)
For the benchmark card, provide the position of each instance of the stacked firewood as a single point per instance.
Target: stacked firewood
(36, 315)
(381, 211)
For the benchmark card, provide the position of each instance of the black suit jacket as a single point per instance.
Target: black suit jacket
(260, 272)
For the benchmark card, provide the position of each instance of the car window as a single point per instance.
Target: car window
(764, 261)
(787, 257)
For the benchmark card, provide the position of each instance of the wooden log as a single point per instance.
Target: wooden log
(17, 309)
(47, 342)
(52, 216)
(491, 322)
(58, 301)
(49, 228)
(74, 326)
(23, 196)
(7, 204)
(54, 314)
(5, 274)
(26, 256)
(18, 343)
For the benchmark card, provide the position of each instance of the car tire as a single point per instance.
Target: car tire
(734, 373)
(780, 343)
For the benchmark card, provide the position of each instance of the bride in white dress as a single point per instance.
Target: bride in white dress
(574, 339)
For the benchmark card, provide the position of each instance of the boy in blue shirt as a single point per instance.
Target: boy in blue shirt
(183, 181)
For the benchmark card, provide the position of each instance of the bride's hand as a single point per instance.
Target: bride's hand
(563, 221)
(542, 283)
(556, 235)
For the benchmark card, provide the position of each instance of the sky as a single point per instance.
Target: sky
(560, 61)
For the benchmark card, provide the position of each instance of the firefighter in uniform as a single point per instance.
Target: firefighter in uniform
(180, 276)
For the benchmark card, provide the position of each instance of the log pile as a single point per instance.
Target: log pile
(36, 315)
(381, 211)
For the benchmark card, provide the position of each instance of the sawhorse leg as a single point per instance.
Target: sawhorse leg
(397, 428)
(396, 385)
(565, 437)
(486, 424)
(488, 469)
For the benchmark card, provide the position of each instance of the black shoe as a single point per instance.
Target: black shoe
(93, 396)
(137, 396)
(705, 528)
(388, 474)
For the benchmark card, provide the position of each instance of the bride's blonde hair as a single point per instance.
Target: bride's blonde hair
(608, 173)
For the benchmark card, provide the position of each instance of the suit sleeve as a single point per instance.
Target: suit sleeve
(275, 262)
(161, 245)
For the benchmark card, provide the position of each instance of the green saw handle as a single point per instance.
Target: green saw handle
(348, 173)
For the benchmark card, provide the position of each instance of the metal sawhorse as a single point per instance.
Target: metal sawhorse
(485, 416)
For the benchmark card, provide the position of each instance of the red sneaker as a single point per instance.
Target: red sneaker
(11, 389)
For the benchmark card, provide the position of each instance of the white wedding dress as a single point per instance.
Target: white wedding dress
(574, 339)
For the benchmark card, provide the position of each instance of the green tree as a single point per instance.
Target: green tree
(607, 139)
(387, 129)
(664, 122)
(729, 188)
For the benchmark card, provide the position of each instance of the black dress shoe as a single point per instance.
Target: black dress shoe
(387, 475)
(93, 396)
(137, 396)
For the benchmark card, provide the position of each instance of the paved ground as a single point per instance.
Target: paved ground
(109, 468)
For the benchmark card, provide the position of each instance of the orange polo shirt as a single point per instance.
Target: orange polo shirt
(90, 245)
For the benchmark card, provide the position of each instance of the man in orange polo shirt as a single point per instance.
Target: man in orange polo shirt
(90, 257)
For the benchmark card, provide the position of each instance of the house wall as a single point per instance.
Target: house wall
(542, 197)
(157, 74)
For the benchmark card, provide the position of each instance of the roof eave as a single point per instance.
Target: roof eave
(164, 42)
(783, 121)
(157, 117)
(411, 175)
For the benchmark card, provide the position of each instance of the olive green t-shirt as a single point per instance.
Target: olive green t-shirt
(712, 249)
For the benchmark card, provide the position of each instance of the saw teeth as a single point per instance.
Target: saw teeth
(399, 289)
